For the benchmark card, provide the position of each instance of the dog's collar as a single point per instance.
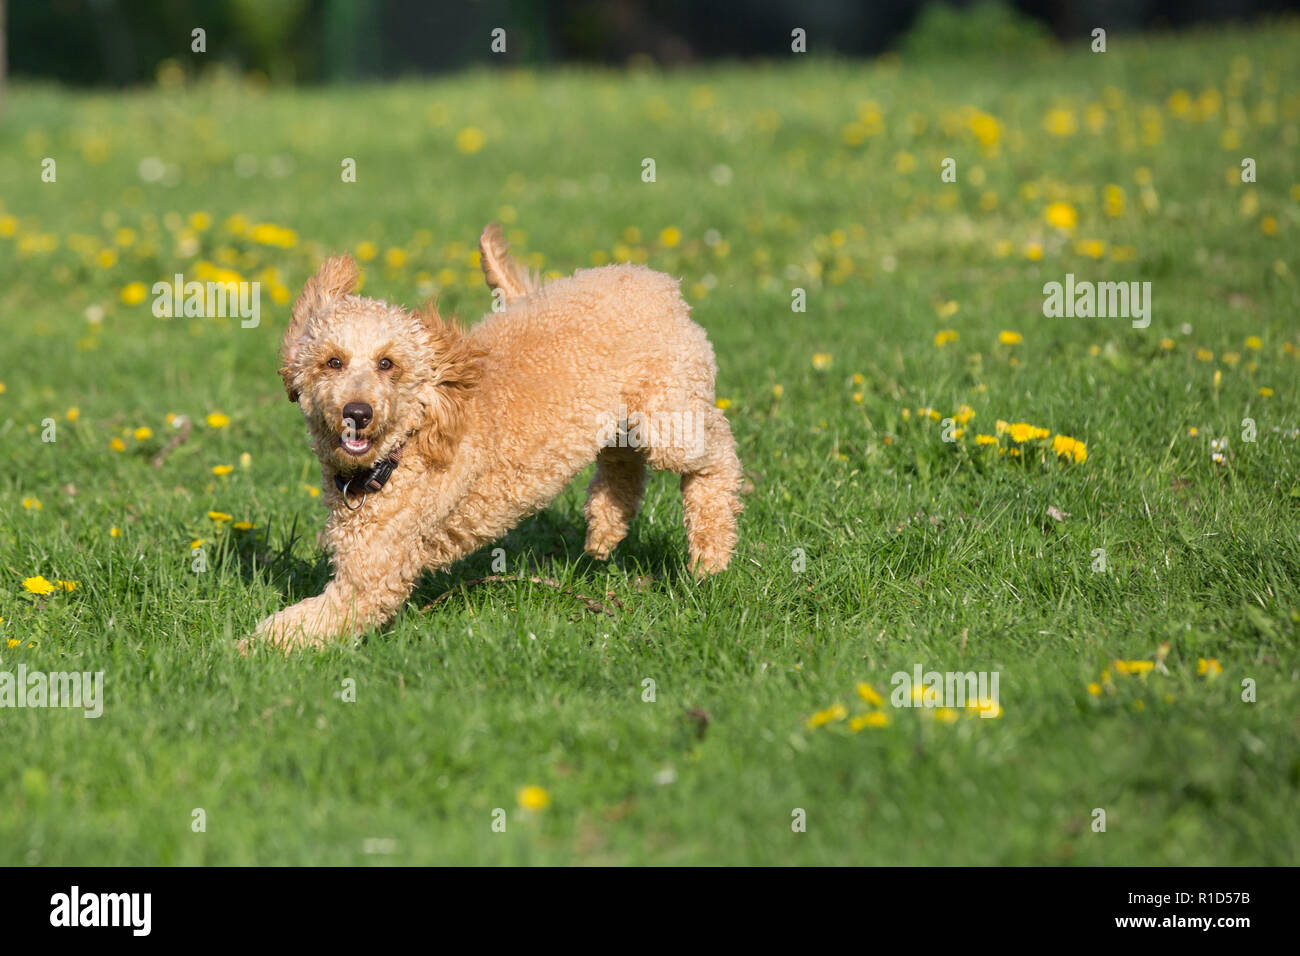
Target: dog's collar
(371, 480)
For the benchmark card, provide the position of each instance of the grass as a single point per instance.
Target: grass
(916, 550)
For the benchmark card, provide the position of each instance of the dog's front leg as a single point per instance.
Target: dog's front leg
(361, 596)
(309, 623)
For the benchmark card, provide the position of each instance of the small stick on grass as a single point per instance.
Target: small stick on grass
(182, 434)
(592, 604)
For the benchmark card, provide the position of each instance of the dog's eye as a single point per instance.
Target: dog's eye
(335, 363)
(385, 364)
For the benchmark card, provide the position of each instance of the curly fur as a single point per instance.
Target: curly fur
(493, 423)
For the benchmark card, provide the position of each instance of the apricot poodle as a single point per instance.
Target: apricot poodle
(434, 441)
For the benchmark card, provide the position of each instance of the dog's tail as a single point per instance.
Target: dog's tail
(501, 269)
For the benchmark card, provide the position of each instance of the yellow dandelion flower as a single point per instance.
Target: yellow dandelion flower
(868, 693)
(1167, 344)
(312, 490)
(822, 717)
(1022, 432)
(1033, 251)
(1135, 668)
(470, 140)
(1061, 215)
(985, 440)
(220, 470)
(69, 585)
(220, 517)
(1209, 668)
(822, 361)
(114, 532)
(945, 715)
(39, 585)
(1060, 122)
(1114, 201)
(1067, 447)
(143, 433)
(986, 129)
(1010, 338)
(944, 336)
(367, 251)
(876, 718)
(1266, 392)
(723, 403)
(32, 504)
(73, 414)
(670, 237)
(243, 526)
(269, 234)
(533, 798)
(11, 643)
(1094, 689)
(117, 445)
(1204, 355)
(134, 293)
(946, 310)
(218, 420)
(778, 391)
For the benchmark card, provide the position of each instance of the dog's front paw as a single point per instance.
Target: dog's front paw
(286, 631)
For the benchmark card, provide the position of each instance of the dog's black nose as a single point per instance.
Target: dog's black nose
(359, 412)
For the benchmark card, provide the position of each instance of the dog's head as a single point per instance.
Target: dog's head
(370, 376)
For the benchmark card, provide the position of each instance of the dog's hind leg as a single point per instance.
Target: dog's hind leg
(711, 497)
(699, 446)
(613, 498)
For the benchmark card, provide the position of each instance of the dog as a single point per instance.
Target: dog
(434, 441)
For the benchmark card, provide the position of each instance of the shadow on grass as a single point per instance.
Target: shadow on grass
(546, 545)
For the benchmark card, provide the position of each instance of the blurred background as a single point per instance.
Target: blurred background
(122, 42)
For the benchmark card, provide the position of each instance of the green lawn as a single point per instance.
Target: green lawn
(820, 175)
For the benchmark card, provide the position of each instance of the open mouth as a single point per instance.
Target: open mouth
(355, 446)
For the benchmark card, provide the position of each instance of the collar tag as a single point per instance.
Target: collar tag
(367, 481)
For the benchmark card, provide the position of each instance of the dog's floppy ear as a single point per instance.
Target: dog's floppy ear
(456, 372)
(500, 268)
(336, 277)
